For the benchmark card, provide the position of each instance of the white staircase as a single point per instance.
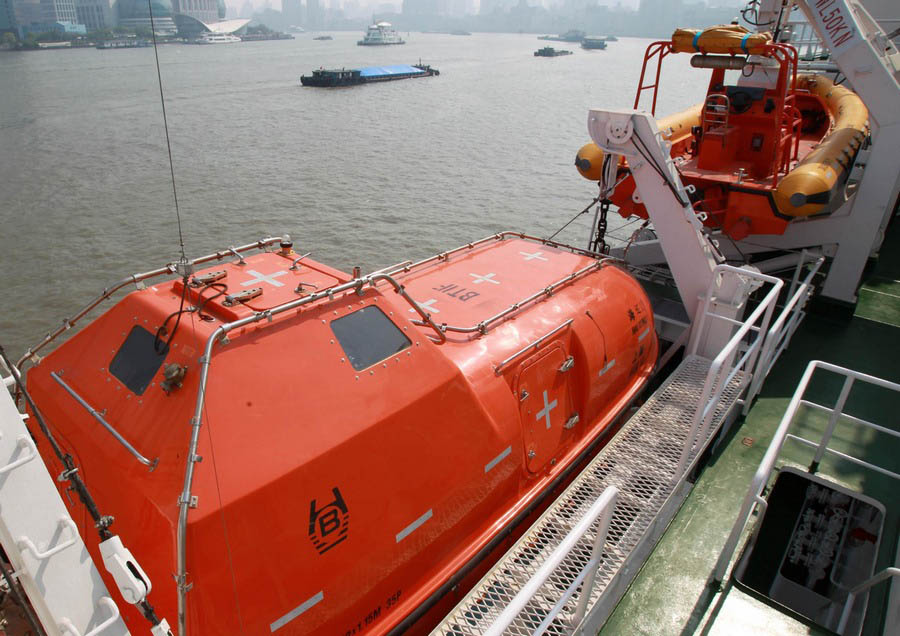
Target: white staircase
(42, 541)
(646, 465)
(643, 461)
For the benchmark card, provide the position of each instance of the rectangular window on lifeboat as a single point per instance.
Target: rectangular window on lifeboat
(368, 336)
(138, 360)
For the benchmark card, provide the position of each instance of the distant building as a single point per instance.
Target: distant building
(27, 12)
(490, 6)
(136, 14)
(8, 17)
(190, 27)
(314, 14)
(40, 16)
(58, 27)
(97, 14)
(206, 11)
(292, 11)
(59, 11)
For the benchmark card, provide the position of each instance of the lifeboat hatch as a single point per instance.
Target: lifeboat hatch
(545, 406)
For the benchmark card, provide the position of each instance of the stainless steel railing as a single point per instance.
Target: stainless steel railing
(136, 279)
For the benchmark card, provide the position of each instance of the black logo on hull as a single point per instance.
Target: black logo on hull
(329, 524)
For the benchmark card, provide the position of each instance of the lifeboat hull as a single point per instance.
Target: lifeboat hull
(355, 468)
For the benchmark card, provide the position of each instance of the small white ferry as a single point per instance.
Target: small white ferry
(217, 38)
(380, 34)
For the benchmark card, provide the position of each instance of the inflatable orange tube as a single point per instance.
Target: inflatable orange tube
(807, 189)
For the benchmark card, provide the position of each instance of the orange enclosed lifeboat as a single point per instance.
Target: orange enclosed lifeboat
(366, 452)
(754, 157)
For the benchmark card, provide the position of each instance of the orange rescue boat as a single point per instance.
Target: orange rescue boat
(368, 443)
(755, 155)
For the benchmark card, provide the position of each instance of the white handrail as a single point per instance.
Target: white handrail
(9, 380)
(715, 383)
(785, 324)
(851, 596)
(23, 442)
(66, 625)
(603, 508)
(62, 523)
(761, 477)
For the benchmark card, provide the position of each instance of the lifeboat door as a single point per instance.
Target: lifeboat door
(545, 406)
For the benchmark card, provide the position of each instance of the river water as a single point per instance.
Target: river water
(367, 175)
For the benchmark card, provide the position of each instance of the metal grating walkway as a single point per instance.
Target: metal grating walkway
(641, 461)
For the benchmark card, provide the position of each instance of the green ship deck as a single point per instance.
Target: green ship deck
(673, 593)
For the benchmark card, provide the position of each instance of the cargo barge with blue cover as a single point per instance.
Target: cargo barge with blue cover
(368, 75)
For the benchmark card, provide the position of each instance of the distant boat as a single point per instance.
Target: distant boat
(593, 43)
(381, 34)
(611, 38)
(296, 29)
(124, 43)
(323, 37)
(459, 32)
(572, 35)
(352, 76)
(549, 51)
(217, 38)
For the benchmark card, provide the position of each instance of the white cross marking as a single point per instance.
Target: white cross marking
(487, 278)
(545, 412)
(264, 278)
(536, 255)
(428, 304)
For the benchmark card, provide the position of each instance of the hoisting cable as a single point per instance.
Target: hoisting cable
(645, 154)
(70, 471)
(162, 102)
(70, 474)
(604, 194)
(584, 211)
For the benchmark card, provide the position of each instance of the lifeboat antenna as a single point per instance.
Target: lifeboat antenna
(184, 261)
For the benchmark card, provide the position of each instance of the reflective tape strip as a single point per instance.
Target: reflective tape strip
(499, 458)
(294, 613)
(609, 366)
(644, 334)
(408, 530)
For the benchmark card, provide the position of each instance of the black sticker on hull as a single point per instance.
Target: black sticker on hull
(328, 525)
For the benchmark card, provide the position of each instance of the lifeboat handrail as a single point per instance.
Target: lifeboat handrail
(715, 113)
(534, 345)
(407, 266)
(661, 48)
(545, 292)
(184, 501)
(149, 463)
(356, 284)
(136, 279)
